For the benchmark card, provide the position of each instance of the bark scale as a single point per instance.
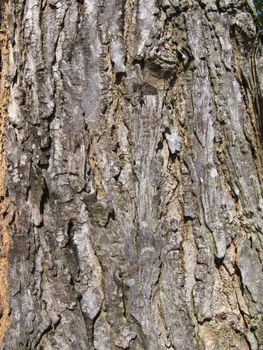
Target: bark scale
(134, 165)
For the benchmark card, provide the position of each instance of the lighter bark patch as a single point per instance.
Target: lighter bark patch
(5, 240)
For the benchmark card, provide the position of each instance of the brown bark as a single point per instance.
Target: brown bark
(133, 151)
(4, 236)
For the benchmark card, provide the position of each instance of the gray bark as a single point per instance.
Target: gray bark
(134, 175)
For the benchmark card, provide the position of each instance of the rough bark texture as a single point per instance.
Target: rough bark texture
(134, 167)
(4, 203)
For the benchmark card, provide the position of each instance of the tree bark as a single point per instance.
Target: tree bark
(133, 177)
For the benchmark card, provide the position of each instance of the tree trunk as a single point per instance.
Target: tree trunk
(132, 209)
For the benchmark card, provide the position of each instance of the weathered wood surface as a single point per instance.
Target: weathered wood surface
(134, 164)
